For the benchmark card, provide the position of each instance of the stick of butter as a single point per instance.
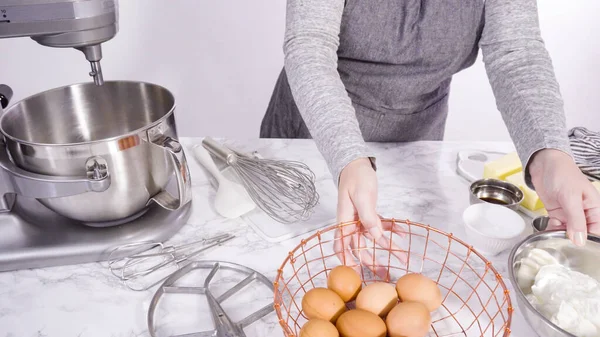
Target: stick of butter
(531, 201)
(502, 167)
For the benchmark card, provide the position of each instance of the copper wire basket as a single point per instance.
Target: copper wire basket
(476, 300)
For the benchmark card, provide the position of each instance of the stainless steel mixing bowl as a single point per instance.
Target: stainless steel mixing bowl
(581, 259)
(125, 129)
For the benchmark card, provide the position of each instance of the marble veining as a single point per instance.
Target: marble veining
(417, 181)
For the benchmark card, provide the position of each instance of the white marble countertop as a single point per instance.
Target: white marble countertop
(418, 181)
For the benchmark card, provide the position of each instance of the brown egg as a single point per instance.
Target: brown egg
(419, 288)
(378, 298)
(318, 328)
(360, 323)
(345, 281)
(322, 303)
(408, 319)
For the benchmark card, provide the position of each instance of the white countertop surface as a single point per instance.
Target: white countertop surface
(418, 181)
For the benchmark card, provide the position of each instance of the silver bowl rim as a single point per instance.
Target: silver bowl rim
(500, 184)
(97, 141)
(559, 234)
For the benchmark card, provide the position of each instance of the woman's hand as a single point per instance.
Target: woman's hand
(571, 200)
(357, 200)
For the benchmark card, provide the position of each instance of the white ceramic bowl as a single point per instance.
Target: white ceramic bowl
(492, 229)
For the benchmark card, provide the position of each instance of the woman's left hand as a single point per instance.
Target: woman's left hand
(571, 200)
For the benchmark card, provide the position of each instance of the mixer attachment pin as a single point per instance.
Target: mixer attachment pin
(96, 72)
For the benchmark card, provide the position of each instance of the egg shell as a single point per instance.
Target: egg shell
(419, 288)
(345, 281)
(322, 303)
(378, 298)
(318, 328)
(360, 323)
(408, 319)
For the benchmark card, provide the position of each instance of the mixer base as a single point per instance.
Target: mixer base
(35, 237)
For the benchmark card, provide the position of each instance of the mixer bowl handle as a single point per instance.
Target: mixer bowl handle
(182, 174)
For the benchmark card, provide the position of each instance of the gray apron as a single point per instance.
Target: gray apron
(396, 60)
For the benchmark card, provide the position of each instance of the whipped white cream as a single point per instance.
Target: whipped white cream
(569, 299)
(530, 266)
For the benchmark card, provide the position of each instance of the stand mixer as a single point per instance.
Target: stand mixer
(33, 233)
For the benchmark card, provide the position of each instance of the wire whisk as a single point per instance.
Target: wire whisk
(142, 265)
(283, 189)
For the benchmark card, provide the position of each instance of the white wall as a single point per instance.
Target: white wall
(225, 69)
(571, 31)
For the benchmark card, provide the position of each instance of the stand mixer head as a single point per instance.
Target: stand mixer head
(80, 24)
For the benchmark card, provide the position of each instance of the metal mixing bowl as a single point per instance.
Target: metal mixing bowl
(127, 128)
(497, 192)
(581, 259)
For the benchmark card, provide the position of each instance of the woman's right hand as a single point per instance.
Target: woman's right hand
(357, 200)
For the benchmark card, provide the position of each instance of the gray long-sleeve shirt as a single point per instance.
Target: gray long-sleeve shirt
(397, 57)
